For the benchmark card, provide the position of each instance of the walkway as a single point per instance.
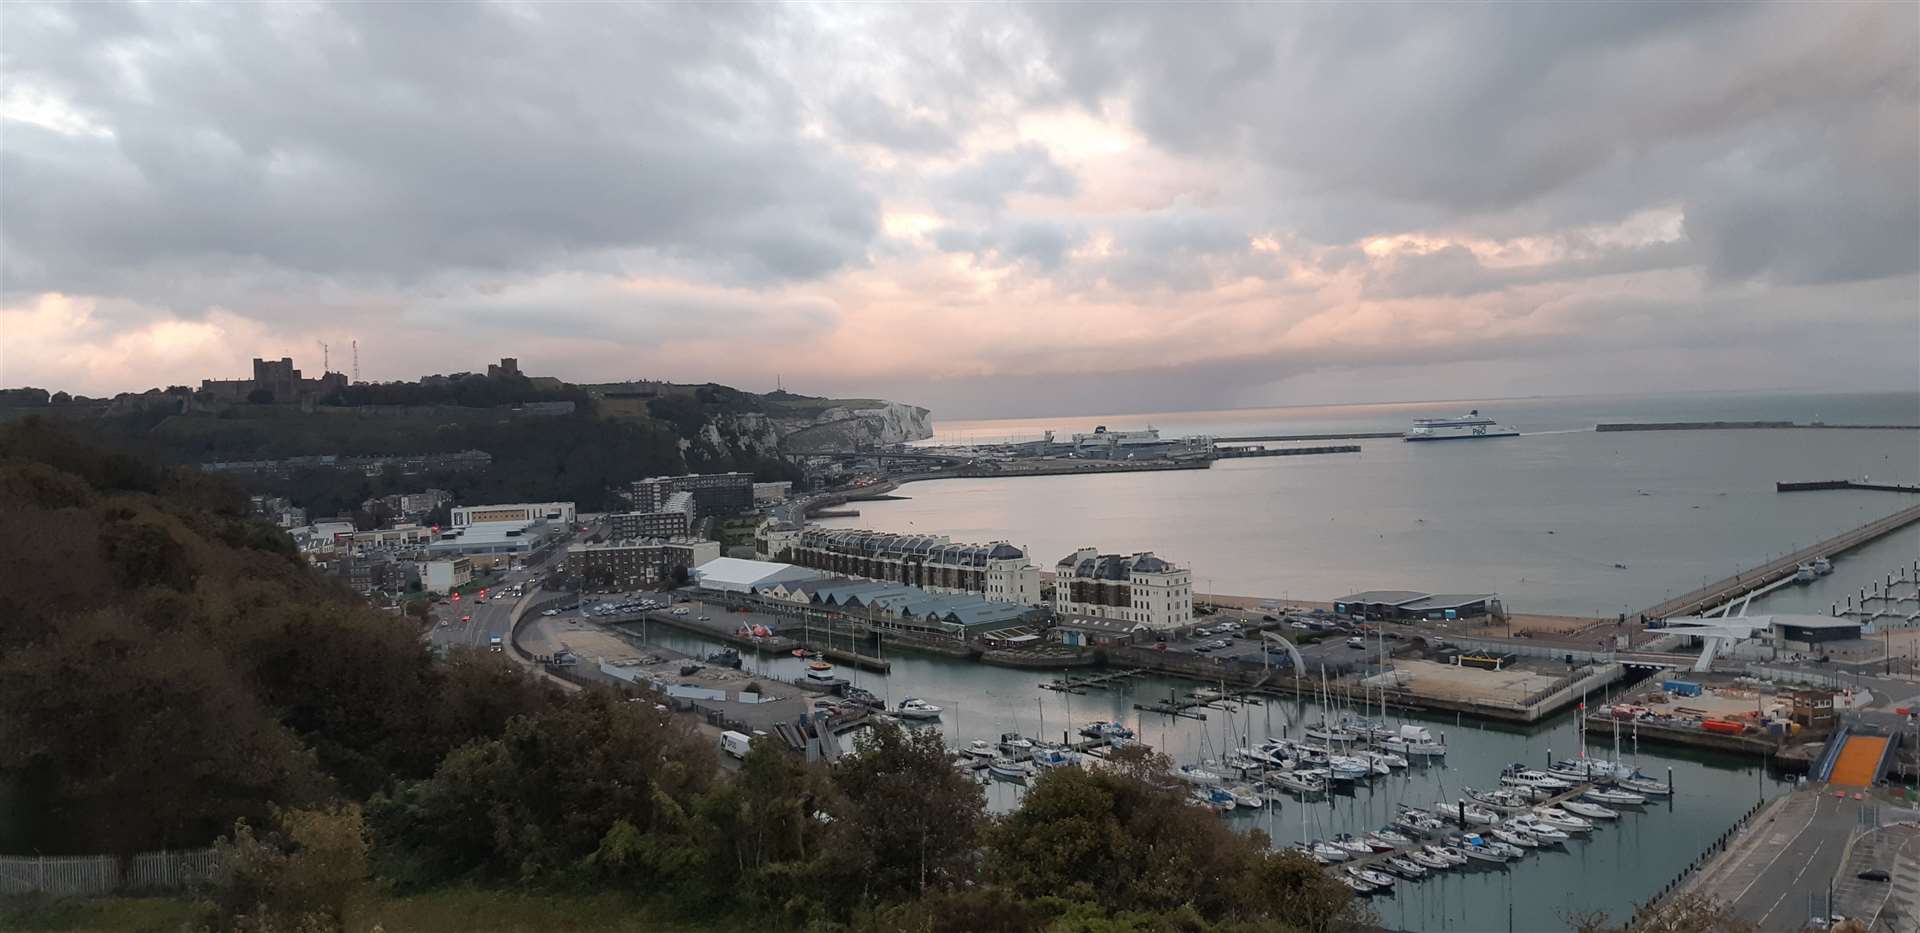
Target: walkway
(1859, 761)
(1746, 581)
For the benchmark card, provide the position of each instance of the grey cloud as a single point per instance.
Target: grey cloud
(1038, 246)
(378, 143)
(1455, 271)
(1025, 169)
(863, 117)
(1379, 119)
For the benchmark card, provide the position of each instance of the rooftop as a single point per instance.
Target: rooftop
(1389, 597)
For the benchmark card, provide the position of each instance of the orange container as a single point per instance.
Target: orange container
(1722, 726)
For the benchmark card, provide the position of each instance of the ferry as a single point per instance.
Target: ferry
(1466, 427)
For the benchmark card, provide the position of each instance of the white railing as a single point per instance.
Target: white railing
(95, 875)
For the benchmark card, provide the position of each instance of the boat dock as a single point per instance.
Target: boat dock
(843, 656)
(1724, 591)
(1079, 685)
(1842, 484)
(1893, 602)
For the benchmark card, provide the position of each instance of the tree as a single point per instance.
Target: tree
(915, 821)
(1685, 913)
(61, 398)
(590, 787)
(305, 875)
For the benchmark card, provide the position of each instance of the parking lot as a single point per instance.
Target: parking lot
(1235, 637)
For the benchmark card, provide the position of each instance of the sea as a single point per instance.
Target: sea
(1562, 520)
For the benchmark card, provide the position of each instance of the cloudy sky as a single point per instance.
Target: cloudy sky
(987, 209)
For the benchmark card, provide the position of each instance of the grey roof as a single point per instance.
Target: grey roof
(1389, 597)
(1094, 624)
(1449, 601)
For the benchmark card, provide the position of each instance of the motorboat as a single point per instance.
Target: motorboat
(1414, 741)
(1346, 770)
(1804, 573)
(1306, 852)
(1406, 868)
(1562, 820)
(1109, 731)
(1615, 798)
(823, 681)
(1514, 837)
(1474, 847)
(819, 666)
(1245, 796)
(1358, 886)
(1213, 797)
(1299, 782)
(1009, 769)
(861, 697)
(1016, 745)
(979, 748)
(1592, 811)
(1194, 774)
(1050, 758)
(1389, 759)
(1533, 780)
(1428, 860)
(1444, 854)
(1376, 878)
(916, 708)
(1330, 852)
(1822, 566)
(1539, 830)
(1262, 756)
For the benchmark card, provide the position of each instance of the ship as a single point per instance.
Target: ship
(1468, 426)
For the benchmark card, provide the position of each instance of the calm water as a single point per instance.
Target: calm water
(1618, 864)
(1563, 520)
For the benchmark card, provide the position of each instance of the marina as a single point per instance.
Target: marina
(1627, 861)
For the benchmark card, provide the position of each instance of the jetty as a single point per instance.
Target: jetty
(1079, 685)
(1842, 484)
(1727, 590)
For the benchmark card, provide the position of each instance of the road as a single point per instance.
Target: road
(494, 617)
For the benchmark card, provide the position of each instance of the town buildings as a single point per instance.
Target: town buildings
(713, 493)
(411, 506)
(516, 512)
(674, 519)
(635, 563)
(1137, 588)
(444, 576)
(999, 572)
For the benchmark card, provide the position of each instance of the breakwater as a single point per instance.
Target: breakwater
(1747, 426)
(1228, 453)
(1257, 438)
(1746, 581)
(1842, 484)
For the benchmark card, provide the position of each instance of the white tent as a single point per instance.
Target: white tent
(734, 575)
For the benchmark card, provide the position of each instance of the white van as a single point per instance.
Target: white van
(735, 743)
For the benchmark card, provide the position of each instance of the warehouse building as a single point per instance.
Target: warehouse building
(1413, 606)
(522, 512)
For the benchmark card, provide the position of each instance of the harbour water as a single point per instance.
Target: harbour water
(1562, 520)
(1620, 864)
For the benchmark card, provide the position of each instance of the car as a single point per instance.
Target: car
(466, 618)
(1268, 619)
(1302, 626)
(1874, 874)
(1356, 642)
(551, 612)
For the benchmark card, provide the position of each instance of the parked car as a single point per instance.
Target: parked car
(1356, 642)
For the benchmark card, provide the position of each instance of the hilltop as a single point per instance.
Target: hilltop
(547, 438)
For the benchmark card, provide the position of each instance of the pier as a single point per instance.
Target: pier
(1229, 453)
(1727, 590)
(1100, 681)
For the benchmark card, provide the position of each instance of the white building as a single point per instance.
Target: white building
(1138, 588)
(733, 575)
(444, 576)
(521, 512)
(769, 493)
(999, 572)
